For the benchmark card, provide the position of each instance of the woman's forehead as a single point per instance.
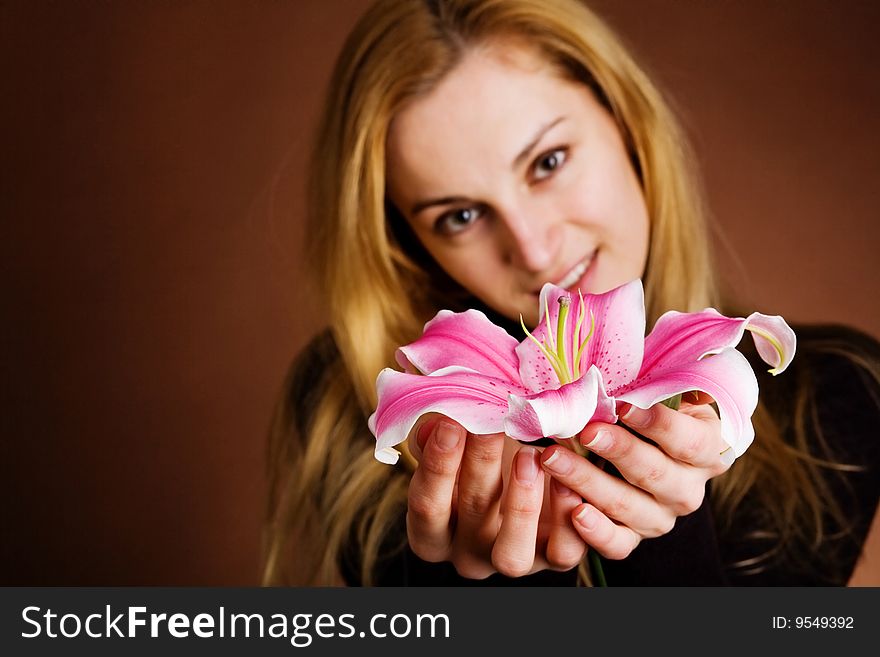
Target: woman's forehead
(480, 116)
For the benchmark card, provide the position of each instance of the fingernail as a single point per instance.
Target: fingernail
(587, 517)
(635, 417)
(601, 442)
(554, 461)
(425, 431)
(527, 465)
(448, 436)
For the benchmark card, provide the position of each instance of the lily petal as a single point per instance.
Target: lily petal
(774, 339)
(689, 336)
(616, 346)
(477, 402)
(535, 371)
(558, 413)
(726, 376)
(465, 339)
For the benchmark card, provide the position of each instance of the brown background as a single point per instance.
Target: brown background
(150, 194)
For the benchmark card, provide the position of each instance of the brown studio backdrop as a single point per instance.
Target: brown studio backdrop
(152, 177)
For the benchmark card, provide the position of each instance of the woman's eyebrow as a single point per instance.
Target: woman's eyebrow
(523, 154)
(448, 200)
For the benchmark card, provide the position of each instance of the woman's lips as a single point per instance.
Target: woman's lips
(578, 276)
(574, 275)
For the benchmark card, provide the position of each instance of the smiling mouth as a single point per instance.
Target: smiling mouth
(576, 272)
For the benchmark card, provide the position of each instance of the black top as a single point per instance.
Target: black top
(693, 554)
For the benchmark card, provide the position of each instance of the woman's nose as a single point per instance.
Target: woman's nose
(532, 241)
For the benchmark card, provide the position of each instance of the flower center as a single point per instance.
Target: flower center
(564, 354)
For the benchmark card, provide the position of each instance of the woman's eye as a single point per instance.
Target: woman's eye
(549, 162)
(457, 220)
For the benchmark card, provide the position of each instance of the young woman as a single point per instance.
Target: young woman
(471, 151)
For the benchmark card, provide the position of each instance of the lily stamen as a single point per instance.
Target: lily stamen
(567, 369)
(549, 355)
(580, 351)
(564, 305)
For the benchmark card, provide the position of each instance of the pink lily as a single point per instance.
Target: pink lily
(587, 354)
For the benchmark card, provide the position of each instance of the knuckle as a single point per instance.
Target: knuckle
(621, 553)
(662, 527)
(668, 526)
(690, 449)
(420, 504)
(429, 553)
(619, 547)
(615, 551)
(565, 555)
(692, 500)
(483, 452)
(470, 567)
(523, 506)
(438, 464)
(661, 422)
(654, 475)
(580, 478)
(619, 506)
(425, 550)
(510, 564)
(623, 446)
(476, 502)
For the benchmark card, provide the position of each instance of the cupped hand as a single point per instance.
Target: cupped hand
(661, 481)
(483, 503)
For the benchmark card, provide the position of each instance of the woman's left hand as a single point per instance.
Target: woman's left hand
(660, 482)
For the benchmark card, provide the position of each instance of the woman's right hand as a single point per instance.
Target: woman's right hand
(484, 504)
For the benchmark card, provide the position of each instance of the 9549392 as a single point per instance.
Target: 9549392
(813, 622)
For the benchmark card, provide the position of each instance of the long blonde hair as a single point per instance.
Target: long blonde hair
(327, 492)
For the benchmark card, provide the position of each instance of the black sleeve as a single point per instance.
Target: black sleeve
(687, 556)
(847, 403)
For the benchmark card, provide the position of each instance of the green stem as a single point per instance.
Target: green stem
(597, 574)
(596, 568)
(673, 402)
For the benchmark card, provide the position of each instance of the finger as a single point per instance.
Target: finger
(693, 437)
(705, 408)
(647, 467)
(478, 505)
(565, 548)
(513, 553)
(611, 540)
(429, 502)
(420, 432)
(615, 497)
(479, 482)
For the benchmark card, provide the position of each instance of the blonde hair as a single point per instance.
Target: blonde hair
(327, 492)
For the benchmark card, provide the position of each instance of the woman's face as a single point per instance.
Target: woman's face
(512, 176)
